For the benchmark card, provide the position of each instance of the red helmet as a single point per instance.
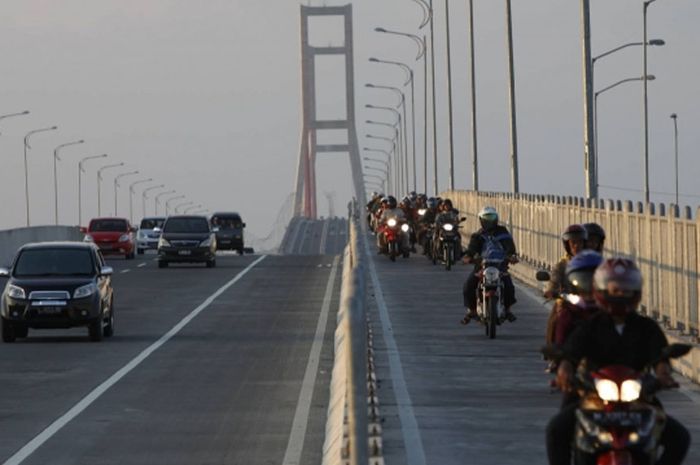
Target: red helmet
(617, 286)
(573, 232)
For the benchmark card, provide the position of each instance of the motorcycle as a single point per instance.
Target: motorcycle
(393, 231)
(617, 421)
(448, 246)
(490, 307)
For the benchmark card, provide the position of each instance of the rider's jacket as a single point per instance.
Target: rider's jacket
(450, 216)
(599, 341)
(499, 233)
(558, 283)
(569, 317)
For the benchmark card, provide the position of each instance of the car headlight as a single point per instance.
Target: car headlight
(422, 211)
(391, 223)
(163, 243)
(16, 292)
(205, 242)
(124, 238)
(630, 390)
(607, 390)
(88, 238)
(85, 291)
(448, 227)
(404, 228)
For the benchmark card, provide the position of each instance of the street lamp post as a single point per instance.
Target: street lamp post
(472, 72)
(144, 195)
(451, 177)
(167, 203)
(397, 178)
(188, 210)
(116, 188)
(157, 199)
(433, 100)
(80, 184)
(515, 178)
(99, 185)
(396, 133)
(179, 206)
(595, 117)
(674, 117)
(588, 90)
(131, 196)
(388, 163)
(401, 159)
(646, 105)
(26, 165)
(56, 159)
(12, 115)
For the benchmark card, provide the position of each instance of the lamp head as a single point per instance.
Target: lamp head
(674, 116)
(379, 29)
(373, 60)
(657, 42)
(650, 77)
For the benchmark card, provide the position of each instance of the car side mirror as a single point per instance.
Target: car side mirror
(106, 271)
(4, 273)
(244, 225)
(543, 275)
(83, 229)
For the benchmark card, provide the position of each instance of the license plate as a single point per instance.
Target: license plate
(49, 310)
(49, 303)
(185, 252)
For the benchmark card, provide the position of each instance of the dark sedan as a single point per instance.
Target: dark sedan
(57, 285)
(187, 239)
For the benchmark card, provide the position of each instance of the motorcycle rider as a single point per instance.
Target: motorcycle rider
(595, 237)
(447, 214)
(373, 206)
(574, 240)
(490, 232)
(425, 222)
(391, 210)
(617, 335)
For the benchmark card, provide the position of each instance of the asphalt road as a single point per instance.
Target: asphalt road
(448, 394)
(227, 388)
(316, 237)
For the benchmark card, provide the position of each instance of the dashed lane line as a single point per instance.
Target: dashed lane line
(141, 265)
(125, 271)
(29, 448)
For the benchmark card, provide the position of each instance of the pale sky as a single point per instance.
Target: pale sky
(204, 96)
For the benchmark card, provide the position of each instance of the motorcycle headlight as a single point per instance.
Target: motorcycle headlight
(605, 437)
(422, 211)
(448, 227)
(391, 223)
(630, 390)
(84, 291)
(404, 228)
(573, 299)
(491, 275)
(163, 243)
(205, 242)
(88, 238)
(16, 292)
(607, 390)
(124, 238)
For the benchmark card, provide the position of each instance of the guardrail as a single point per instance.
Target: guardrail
(12, 239)
(664, 244)
(348, 402)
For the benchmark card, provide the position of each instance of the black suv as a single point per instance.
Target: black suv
(57, 285)
(186, 239)
(229, 231)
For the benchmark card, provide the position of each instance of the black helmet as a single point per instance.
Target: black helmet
(580, 270)
(391, 201)
(447, 203)
(432, 202)
(573, 232)
(594, 230)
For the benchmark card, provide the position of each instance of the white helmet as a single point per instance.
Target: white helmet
(488, 217)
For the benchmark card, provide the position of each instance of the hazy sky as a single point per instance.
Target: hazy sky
(204, 96)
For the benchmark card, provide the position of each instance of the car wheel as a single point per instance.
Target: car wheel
(109, 327)
(8, 331)
(139, 251)
(95, 330)
(21, 331)
(241, 251)
(162, 264)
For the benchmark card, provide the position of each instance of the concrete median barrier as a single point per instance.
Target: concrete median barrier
(12, 239)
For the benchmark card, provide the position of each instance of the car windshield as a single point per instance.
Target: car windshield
(152, 223)
(54, 262)
(226, 222)
(108, 225)
(186, 225)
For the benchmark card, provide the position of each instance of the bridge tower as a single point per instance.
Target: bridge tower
(305, 194)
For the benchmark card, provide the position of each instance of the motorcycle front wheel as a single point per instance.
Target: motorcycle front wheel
(448, 256)
(492, 312)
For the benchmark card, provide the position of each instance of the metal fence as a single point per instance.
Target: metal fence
(663, 242)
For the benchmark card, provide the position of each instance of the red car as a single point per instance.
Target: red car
(113, 236)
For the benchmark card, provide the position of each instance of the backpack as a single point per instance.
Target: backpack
(492, 248)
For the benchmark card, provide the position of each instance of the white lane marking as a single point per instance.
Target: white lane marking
(141, 265)
(413, 443)
(96, 393)
(301, 417)
(125, 271)
(324, 238)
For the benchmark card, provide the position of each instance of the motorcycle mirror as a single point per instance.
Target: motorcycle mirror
(676, 350)
(464, 218)
(543, 275)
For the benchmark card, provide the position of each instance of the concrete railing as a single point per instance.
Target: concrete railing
(346, 427)
(12, 239)
(665, 245)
